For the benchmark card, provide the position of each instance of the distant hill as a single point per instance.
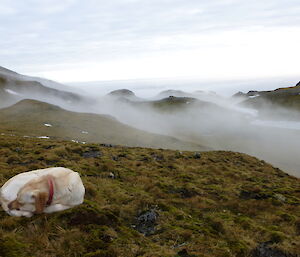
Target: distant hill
(14, 87)
(123, 95)
(34, 118)
(170, 103)
(288, 97)
(45, 82)
(172, 92)
(122, 92)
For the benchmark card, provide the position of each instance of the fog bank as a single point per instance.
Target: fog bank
(218, 122)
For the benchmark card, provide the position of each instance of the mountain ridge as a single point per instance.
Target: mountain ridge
(14, 87)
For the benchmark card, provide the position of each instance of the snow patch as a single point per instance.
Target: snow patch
(11, 92)
(44, 137)
(47, 125)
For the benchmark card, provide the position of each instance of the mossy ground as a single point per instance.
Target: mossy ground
(217, 204)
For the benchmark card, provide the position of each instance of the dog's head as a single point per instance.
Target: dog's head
(32, 197)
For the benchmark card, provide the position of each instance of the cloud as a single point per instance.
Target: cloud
(43, 34)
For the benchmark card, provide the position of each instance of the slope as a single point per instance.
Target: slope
(14, 87)
(146, 202)
(288, 97)
(34, 118)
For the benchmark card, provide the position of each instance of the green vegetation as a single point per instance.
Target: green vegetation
(288, 97)
(213, 204)
(174, 104)
(29, 116)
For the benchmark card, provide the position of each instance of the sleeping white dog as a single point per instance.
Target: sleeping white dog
(42, 191)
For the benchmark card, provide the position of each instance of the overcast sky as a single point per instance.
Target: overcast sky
(72, 40)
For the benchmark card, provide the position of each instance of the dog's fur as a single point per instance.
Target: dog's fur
(27, 193)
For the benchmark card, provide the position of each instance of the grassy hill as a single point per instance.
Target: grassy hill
(174, 104)
(146, 202)
(288, 97)
(34, 118)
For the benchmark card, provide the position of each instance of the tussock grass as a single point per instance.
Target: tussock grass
(221, 204)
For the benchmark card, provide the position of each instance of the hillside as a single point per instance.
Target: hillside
(146, 202)
(14, 87)
(34, 118)
(286, 97)
(173, 104)
(45, 82)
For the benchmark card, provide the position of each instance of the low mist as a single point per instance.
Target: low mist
(214, 121)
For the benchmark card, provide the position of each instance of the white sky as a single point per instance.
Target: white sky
(72, 40)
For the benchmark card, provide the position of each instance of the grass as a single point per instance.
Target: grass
(215, 204)
(29, 116)
(287, 97)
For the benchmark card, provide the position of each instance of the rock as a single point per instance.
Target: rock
(107, 145)
(144, 159)
(265, 250)
(114, 158)
(184, 253)
(158, 157)
(183, 192)
(146, 222)
(187, 193)
(257, 195)
(197, 155)
(91, 154)
(178, 154)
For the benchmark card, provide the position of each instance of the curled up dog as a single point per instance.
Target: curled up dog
(42, 191)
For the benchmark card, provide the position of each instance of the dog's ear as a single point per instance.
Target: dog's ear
(40, 202)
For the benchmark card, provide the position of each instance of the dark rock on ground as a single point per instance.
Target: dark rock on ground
(158, 157)
(246, 195)
(187, 193)
(91, 154)
(265, 250)
(107, 145)
(183, 192)
(114, 158)
(197, 156)
(184, 253)
(144, 159)
(146, 222)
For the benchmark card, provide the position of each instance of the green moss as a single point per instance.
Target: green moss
(239, 248)
(277, 236)
(201, 207)
(11, 247)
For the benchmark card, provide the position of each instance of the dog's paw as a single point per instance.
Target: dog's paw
(20, 213)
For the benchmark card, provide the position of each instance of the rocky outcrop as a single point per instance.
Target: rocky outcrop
(146, 222)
